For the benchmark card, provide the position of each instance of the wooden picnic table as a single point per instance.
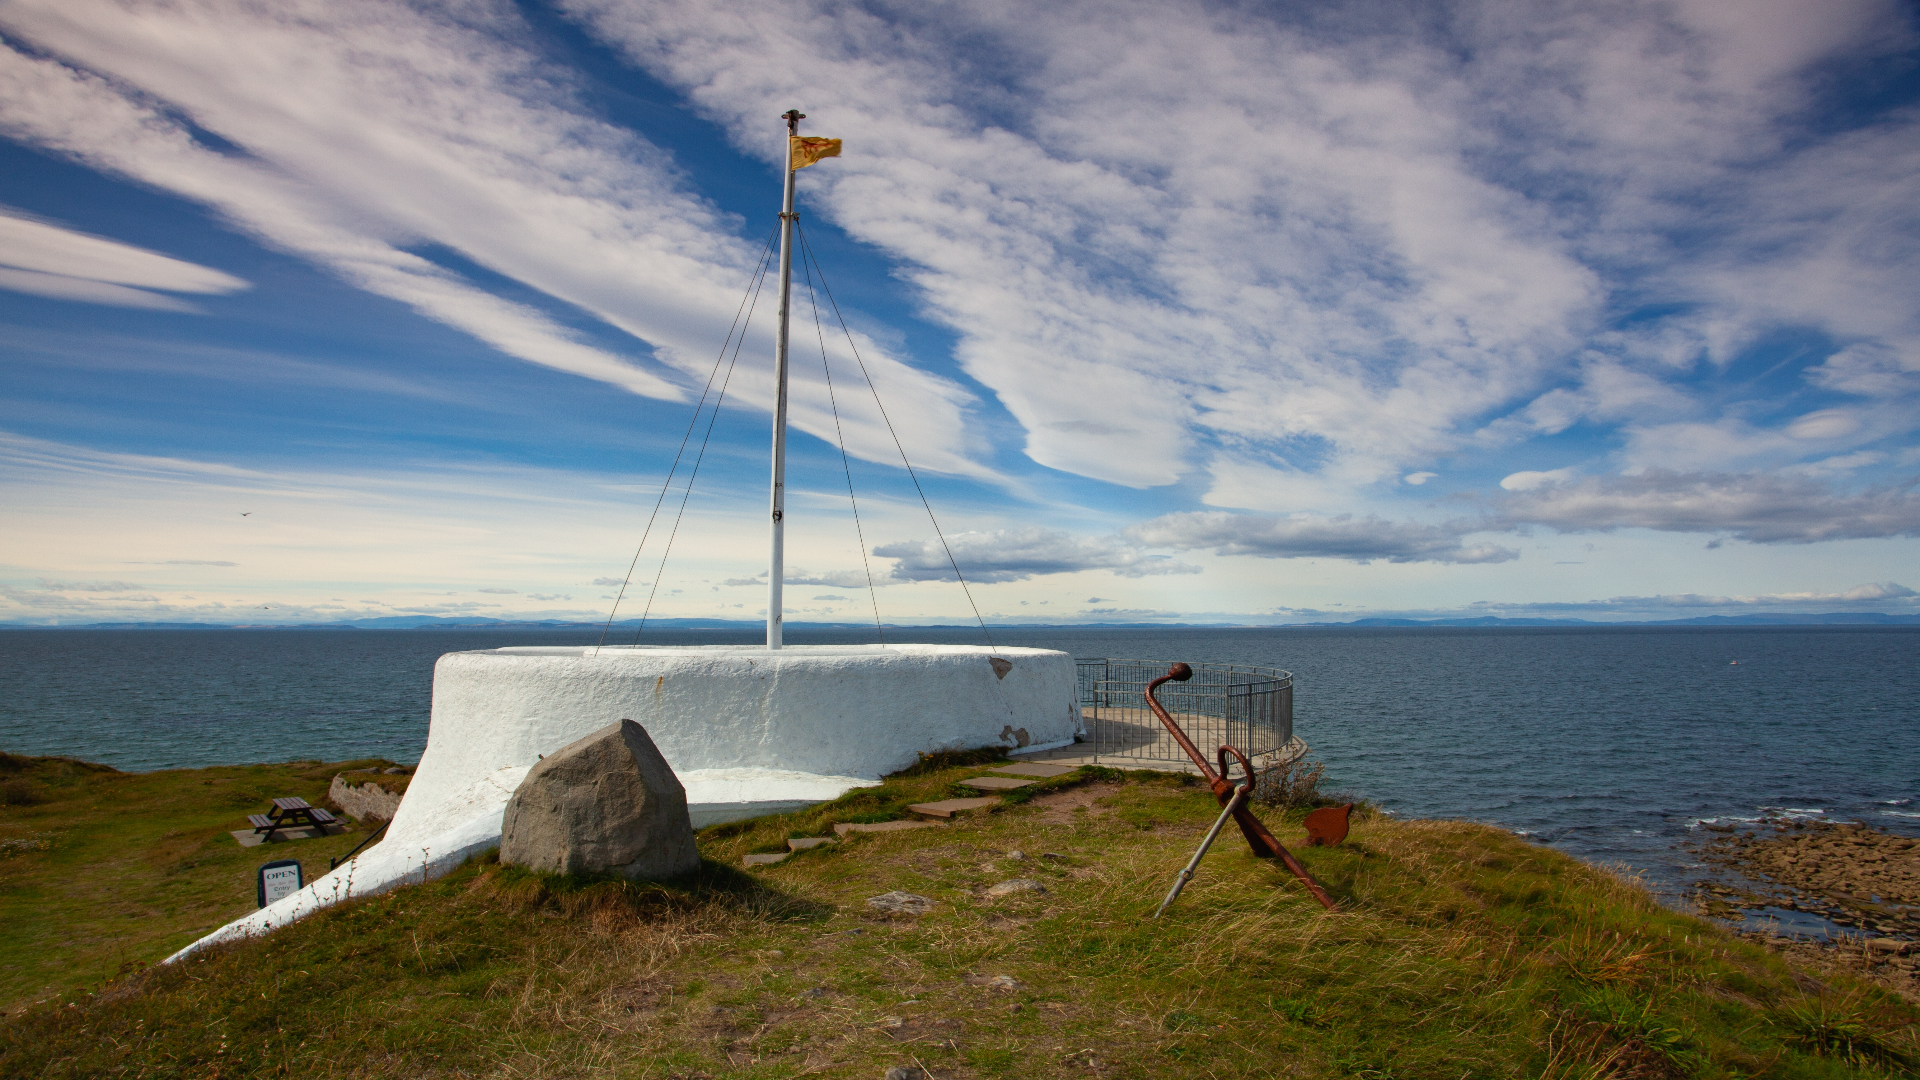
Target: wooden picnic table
(291, 813)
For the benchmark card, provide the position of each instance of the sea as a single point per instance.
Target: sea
(1618, 745)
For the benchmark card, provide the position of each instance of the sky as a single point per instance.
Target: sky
(1220, 312)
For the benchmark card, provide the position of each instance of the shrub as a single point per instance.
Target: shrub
(19, 791)
(1292, 784)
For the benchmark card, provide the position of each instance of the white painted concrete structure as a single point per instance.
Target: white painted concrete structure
(747, 730)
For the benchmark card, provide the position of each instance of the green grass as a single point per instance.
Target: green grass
(104, 871)
(1459, 950)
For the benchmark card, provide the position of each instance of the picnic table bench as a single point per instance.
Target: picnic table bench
(291, 813)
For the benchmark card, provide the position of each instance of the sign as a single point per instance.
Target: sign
(280, 878)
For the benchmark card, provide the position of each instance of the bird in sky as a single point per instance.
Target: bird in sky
(247, 513)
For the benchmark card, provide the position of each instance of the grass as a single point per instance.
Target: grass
(1459, 950)
(103, 871)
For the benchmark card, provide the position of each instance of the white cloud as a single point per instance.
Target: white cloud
(1530, 481)
(1859, 594)
(1874, 596)
(1824, 424)
(90, 586)
(47, 260)
(1018, 554)
(1756, 507)
(1419, 478)
(371, 131)
(1359, 244)
(1870, 370)
(1339, 537)
(404, 540)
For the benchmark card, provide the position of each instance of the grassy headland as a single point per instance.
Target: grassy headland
(103, 871)
(1459, 950)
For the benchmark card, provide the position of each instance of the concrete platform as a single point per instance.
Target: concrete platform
(996, 783)
(946, 808)
(249, 838)
(769, 858)
(807, 843)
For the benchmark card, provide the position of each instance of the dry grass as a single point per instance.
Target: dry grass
(102, 871)
(1459, 950)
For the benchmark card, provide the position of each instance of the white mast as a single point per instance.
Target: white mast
(777, 563)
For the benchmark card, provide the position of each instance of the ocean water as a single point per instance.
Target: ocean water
(1612, 744)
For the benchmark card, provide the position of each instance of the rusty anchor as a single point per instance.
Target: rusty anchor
(1232, 798)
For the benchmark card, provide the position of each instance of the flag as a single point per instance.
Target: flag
(804, 150)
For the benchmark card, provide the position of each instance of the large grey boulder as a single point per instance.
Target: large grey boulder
(607, 803)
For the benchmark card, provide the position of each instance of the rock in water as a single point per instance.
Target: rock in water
(607, 803)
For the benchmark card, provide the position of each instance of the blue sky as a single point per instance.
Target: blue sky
(1249, 313)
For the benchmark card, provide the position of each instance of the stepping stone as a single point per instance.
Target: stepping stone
(1035, 768)
(996, 783)
(846, 827)
(946, 808)
(808, 843)
(898, 902)
(767, 858)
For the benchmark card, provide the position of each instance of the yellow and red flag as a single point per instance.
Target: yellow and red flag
(804, 150)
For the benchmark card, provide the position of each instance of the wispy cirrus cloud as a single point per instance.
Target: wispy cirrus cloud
(45, 259)
(1363, 242)
(368, 133)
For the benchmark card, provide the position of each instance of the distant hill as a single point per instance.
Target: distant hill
(468, 622)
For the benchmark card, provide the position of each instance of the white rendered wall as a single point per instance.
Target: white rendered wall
(829, 710)
(740, 725)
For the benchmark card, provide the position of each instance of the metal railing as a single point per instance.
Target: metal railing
(1243, 705)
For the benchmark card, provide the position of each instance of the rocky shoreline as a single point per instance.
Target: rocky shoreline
(1858, 877)
(1864, 880)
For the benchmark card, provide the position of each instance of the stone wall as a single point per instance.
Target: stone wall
(365, 801)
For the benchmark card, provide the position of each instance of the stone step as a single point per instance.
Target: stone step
(767, 858)
(996, 783)
(807, 843)
(846, 827)
(1036, 769)
(946, 808)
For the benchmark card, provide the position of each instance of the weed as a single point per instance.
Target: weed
(1839, 1029)
(19, 791)
(942, 760)
(1637, 1021)
(1182, 1020)
(1294, 1010)
(1292, 784)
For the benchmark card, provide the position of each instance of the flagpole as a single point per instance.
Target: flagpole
(776, 568)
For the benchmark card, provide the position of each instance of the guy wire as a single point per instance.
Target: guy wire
(712, 418)
(753, 288)
(807, 248)
(845, 465)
